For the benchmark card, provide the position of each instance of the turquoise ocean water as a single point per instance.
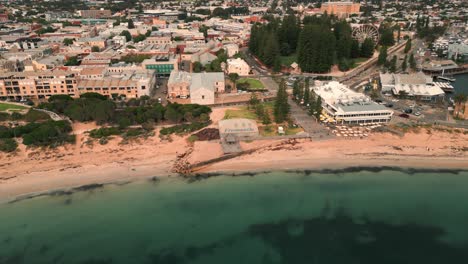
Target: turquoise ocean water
(343, 217)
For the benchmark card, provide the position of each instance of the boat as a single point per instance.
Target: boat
(446, 78)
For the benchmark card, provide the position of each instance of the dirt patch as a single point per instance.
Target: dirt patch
(207, 134)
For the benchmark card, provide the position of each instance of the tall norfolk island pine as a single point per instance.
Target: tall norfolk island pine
(281, 107)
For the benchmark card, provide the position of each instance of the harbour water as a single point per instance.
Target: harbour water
(305, 217)
(461, 84)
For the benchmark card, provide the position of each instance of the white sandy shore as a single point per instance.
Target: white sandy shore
(35, 171)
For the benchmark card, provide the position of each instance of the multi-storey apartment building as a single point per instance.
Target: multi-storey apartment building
(37, 85)
(340, 9)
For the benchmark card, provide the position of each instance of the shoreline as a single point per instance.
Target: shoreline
(32, 172)
(70, 190)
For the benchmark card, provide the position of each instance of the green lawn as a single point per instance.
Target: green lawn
(6, 106)
(254, 84)
(288, 60)
(243, 112)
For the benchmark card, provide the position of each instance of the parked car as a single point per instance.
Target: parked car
(408, 110)
(389, 105)
(417, 113)
(404, 115)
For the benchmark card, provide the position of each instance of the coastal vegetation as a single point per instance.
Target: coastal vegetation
(49, 133)
(30, 116)
(184, 128)
(143, 112)
(102, 110)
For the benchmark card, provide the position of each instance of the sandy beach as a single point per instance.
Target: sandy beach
(37, 170)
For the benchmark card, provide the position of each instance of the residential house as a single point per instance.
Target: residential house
(238, 66)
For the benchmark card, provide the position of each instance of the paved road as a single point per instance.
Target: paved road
(308, 123)
(54, 116)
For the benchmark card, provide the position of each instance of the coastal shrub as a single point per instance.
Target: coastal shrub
(6, 132)
(95, 107)
(134, 132)
(35, 116)
(51, 133)
(16, 116)
(184, 128)
(103, 141)
(4, 116)
(104, 132)
(8, 145)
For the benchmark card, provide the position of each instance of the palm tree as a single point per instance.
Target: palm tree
(459, 100)
(233, 77)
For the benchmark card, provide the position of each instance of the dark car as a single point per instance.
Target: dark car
(389, 105)
(378, 101)
(408, 110)
(404, 115)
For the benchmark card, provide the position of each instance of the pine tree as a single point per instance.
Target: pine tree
(342, 31)
(382, 56)
(253, 41)
(130, 24)
(355, 51)
(399, 34)
(412, 62)
(408, 46)
(393, 65)
(367, 48)
(296, 90)
(386, 36)
(281, 106)
(404, 65)
(306, 96)
(312, 104)
(318, 108)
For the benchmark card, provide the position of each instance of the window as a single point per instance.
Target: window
(202, 97)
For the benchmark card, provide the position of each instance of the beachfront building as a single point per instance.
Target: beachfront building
(37, 85)
(130, 84)
(417, 86)
(238, 66)
(344, 105)
(199, 87)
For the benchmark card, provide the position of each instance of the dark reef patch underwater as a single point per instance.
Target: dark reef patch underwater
(364, 215)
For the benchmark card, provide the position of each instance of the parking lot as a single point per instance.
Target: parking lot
(428, 112)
